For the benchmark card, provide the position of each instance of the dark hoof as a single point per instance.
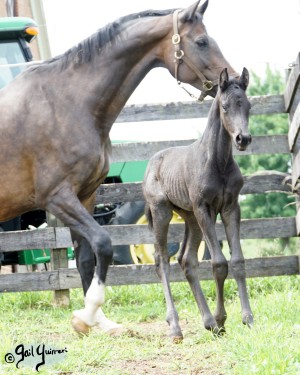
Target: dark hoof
(248, 320)
(177, 339)
(219, 331)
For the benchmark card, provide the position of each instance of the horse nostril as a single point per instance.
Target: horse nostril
(239, 139)
(243, 140)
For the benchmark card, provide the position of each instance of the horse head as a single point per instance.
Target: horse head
(193, 56)
(234, 108)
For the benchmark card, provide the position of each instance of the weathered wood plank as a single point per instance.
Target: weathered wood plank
(250, 229)
(296, 170)
(276, 144)
(48, 238)
(294, 129)
(140, 274)
(265, 181)
(144, 150)
(260, 105)
(292, 84)
(31, 281)
(59, 259)
(260, 182)
(146, 274)
(137, 234)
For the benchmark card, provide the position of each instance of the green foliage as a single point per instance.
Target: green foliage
(271, 204)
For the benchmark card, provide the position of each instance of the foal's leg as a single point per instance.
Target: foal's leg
(161, 217)
(66, 206)
(188, 260)
(206, 220)
(231, 220)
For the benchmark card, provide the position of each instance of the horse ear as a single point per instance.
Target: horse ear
(244, 79)
(203, 7)
(224, 78)
(188, 14)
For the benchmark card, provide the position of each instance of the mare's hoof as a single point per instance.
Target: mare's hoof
(177, 339)
(80, 327)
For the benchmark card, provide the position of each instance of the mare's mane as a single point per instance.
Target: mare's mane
(88, 48)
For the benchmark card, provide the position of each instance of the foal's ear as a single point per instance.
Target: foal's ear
(188, 14)
(224, 79)
(203, 7)
(244, 79)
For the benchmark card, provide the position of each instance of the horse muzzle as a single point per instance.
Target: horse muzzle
(242, 141)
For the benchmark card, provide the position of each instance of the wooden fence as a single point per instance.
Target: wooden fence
(60, 278)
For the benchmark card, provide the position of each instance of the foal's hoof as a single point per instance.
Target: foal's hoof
(248, 320)
(219, 331)
(80, 327)
(177, 339)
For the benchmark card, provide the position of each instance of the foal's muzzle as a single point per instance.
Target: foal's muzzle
(242, 141)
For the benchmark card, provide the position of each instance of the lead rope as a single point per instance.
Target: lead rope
(180, 58)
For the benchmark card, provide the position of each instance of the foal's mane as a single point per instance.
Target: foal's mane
(88, 48)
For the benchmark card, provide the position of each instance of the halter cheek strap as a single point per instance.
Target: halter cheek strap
(180, 57)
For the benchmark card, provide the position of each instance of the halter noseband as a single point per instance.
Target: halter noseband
(180, 57)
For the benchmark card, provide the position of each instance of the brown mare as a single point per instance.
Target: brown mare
(199, 182)
(55, 120)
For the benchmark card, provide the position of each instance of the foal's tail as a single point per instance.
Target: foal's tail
(149, 216)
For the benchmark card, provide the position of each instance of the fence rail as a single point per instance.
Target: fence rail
(63, 279)
(262, 182)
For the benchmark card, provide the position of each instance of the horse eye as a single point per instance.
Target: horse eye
(225, 107)
(202, 43)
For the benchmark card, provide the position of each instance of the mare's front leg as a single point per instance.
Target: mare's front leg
(161, 215)
(231, 220)
(206, 220)
(86, 262)
(65, 205)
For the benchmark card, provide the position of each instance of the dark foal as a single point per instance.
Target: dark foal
(199, 182)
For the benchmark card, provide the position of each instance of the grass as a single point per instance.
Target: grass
(271, 347)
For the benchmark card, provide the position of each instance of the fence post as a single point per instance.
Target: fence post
(59, 259)
(292, 106)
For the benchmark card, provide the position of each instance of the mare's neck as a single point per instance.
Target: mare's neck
(216, 139)
(123, 64)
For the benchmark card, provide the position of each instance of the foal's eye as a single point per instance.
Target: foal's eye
(202, 42)
(225, 107)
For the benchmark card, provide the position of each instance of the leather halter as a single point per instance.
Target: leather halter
(180, 57)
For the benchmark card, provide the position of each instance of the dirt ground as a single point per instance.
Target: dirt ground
(176, 359)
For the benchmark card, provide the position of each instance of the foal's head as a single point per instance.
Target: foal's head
(234, 108)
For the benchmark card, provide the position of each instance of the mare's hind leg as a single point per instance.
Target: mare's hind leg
(231, 220)
(160, 214)
(66, 206)
(188, 260)
(206, 221)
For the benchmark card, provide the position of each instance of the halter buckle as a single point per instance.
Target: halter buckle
(176, 39)
(179, 54)
(208, 85)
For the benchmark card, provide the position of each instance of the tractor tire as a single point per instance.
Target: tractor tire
(127, 213)
(133, 213)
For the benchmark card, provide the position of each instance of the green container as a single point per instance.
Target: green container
(37, 256)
